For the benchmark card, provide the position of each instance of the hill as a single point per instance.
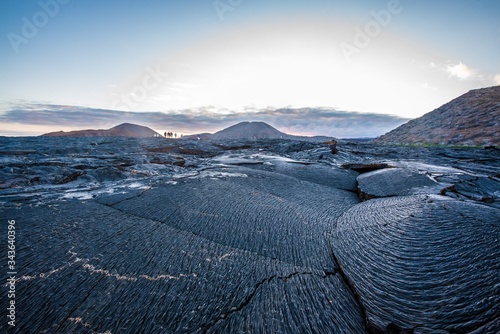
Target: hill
(258, 131)
(249, 130)
(471, 119)
(122, 130)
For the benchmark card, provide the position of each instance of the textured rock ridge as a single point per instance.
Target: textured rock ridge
(425, 262)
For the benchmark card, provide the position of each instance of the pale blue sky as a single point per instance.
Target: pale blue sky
(230, 56)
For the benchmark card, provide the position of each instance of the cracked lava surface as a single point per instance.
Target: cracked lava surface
(266, 239)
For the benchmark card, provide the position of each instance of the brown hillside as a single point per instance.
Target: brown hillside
(471, 119)
(122, 130)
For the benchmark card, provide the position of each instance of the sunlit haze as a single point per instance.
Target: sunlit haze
(196, 66)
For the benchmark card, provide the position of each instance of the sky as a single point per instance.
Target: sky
(317, 67)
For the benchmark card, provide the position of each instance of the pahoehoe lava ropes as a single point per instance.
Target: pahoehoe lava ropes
(148, 235)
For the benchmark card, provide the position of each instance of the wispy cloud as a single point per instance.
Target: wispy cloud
(468, 75)
(460, 71)
(303, 121)
(426, 85)
(497, 79)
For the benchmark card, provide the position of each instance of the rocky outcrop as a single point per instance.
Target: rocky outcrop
(397, 182)
(472, 119)
(332, 144)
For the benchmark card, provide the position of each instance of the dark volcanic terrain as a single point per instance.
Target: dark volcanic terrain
(472, 119)
(155, 235)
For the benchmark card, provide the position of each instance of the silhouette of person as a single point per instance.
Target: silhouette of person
(333, 146)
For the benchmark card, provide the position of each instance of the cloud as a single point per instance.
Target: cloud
(426, 85)
(301, 121)
(497, 79)
(464, 78)
(460, 71)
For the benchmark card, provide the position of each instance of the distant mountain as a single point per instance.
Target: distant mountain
(254, 131)
(471, 119)
(249, 130)
(122, 130)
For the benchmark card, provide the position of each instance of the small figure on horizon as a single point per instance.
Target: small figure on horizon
(165, 134)
(198, 137)
(332, 144)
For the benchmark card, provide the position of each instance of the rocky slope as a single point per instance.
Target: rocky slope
(122, 130)
(471, 119)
